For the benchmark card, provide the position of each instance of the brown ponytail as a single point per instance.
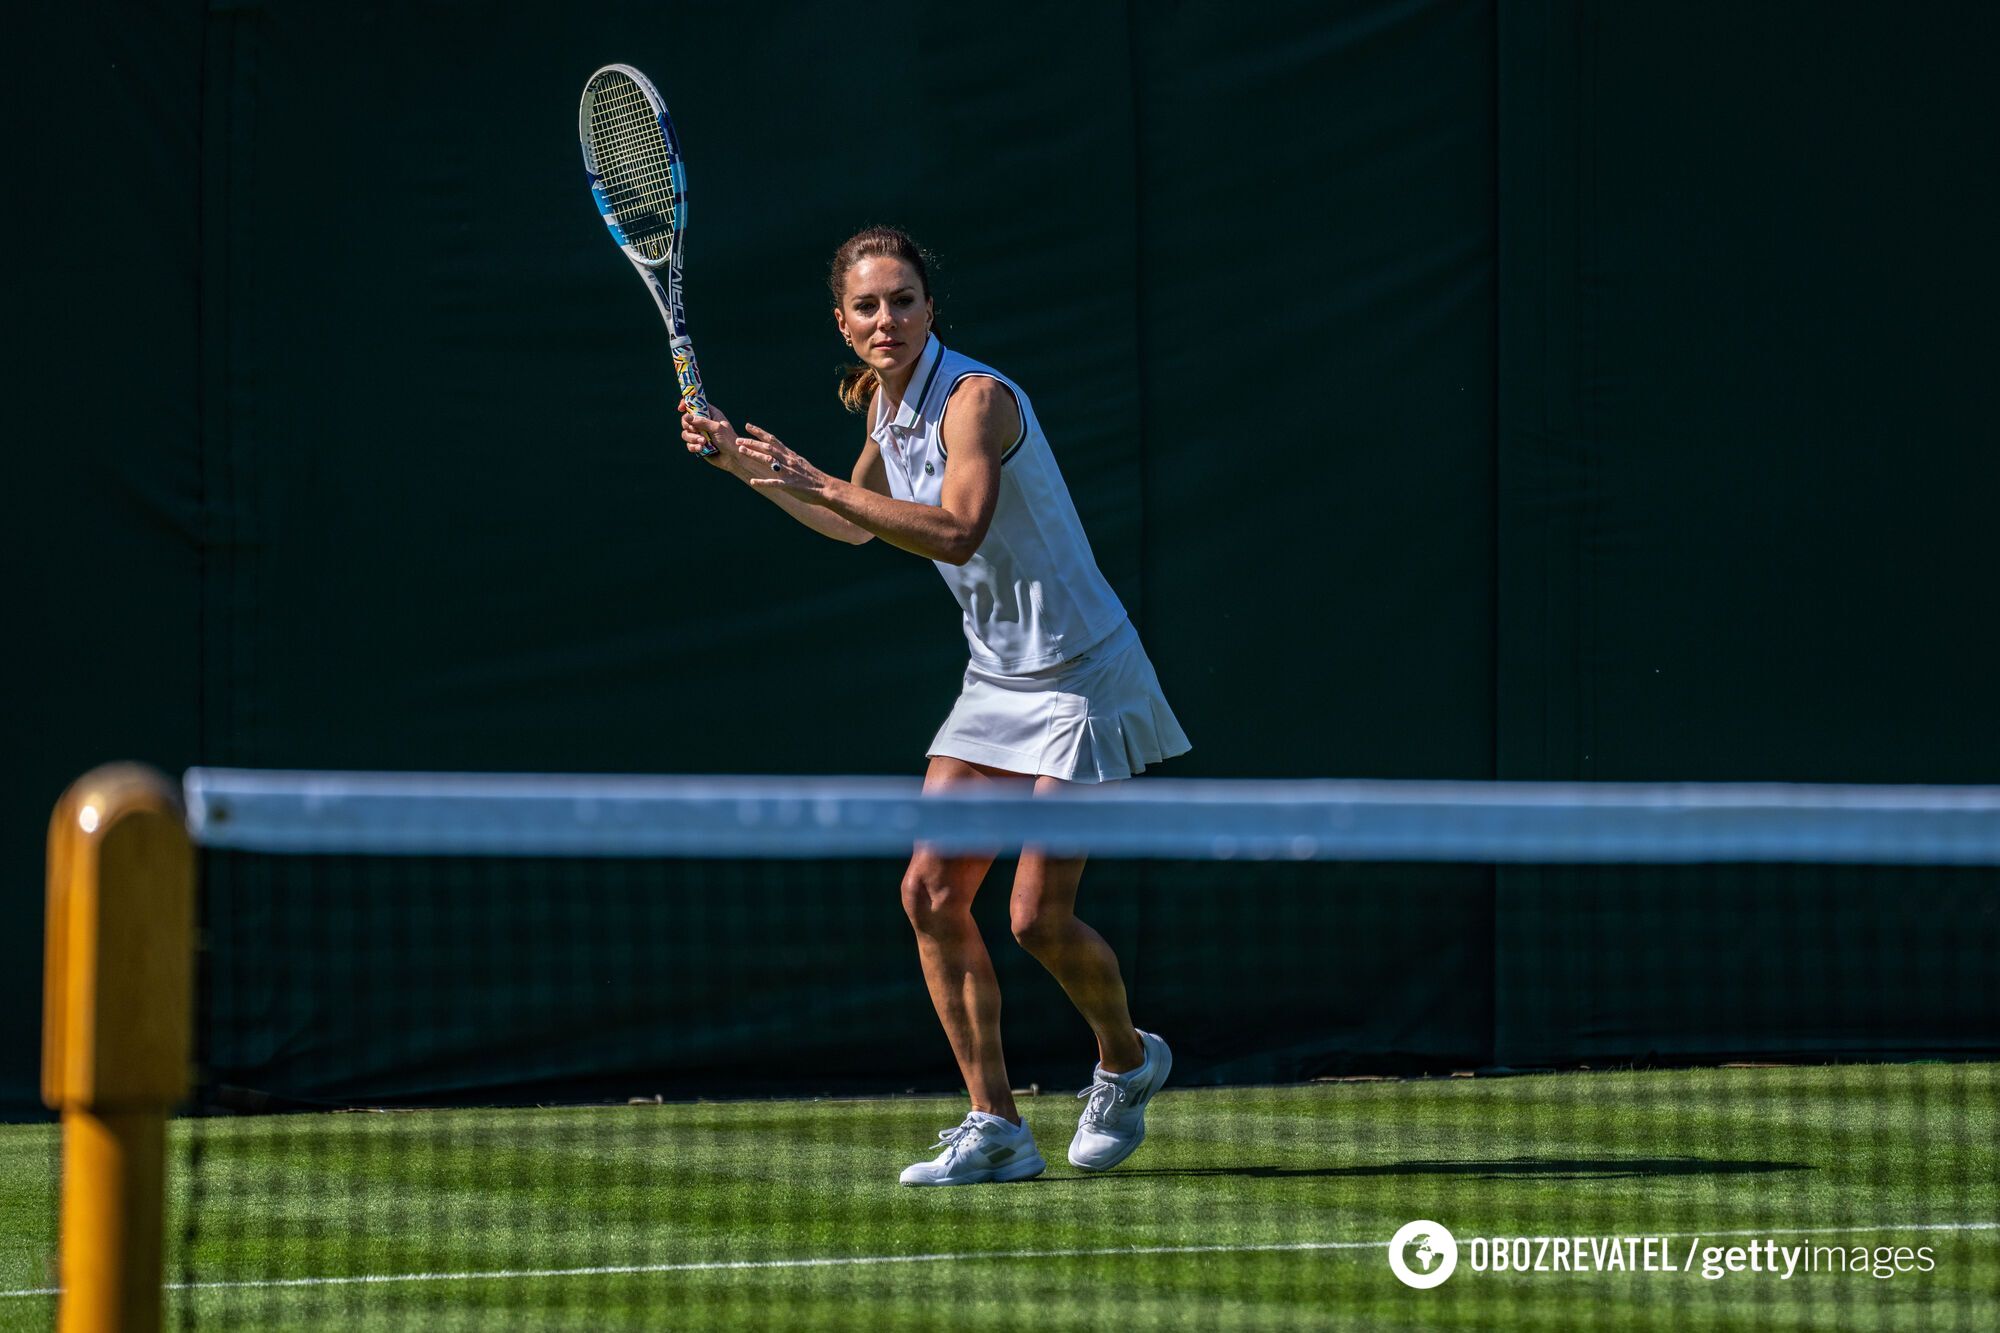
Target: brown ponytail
(857, 382)
(857, 386)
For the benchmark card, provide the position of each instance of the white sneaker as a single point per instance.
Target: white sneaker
(982, 1148)
(1113, 1123)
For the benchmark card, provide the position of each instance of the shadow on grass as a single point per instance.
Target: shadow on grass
(1533, 1168)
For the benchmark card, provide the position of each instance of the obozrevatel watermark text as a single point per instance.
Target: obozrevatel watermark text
(1424, 1254)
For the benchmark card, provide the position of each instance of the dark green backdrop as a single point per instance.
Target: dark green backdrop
(1564, 391)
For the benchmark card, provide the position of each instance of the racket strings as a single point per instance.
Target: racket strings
(635, 166)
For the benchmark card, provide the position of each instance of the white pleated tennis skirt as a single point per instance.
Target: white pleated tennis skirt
(1096, 719)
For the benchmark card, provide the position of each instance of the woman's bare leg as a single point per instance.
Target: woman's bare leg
(1045, 923)
(937, 896)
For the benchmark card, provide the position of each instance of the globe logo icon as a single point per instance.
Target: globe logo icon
(1422, 1254)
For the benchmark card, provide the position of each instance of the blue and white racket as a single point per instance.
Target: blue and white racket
(640, 185)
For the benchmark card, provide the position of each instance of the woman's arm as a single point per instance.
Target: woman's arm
(869, 471)
(729, 457)
(981, 421)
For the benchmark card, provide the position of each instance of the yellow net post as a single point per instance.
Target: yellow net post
(116, 1030)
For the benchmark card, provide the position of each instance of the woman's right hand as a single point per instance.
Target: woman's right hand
(697, 431)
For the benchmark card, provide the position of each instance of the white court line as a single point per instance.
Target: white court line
(859, 1260)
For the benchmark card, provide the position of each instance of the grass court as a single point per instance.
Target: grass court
(1248, 1208)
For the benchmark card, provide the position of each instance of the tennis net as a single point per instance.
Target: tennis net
(506, 1051)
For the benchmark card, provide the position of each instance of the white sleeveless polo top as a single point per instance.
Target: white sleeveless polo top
(1032, 595)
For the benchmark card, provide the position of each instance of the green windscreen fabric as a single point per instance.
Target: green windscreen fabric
(1745, 474)
(1316, 404)
(1317, 366)
(1747, 415)
(103, 510)
(331, 981)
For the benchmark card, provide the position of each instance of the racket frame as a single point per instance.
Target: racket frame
(667, 289)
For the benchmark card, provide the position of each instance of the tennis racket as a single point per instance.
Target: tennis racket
(640, 185)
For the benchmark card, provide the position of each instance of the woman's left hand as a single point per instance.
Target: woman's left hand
(788, 470)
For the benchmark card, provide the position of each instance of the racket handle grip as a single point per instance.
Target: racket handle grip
(689, 377)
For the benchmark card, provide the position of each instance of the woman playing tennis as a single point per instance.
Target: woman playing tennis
(955, 469)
